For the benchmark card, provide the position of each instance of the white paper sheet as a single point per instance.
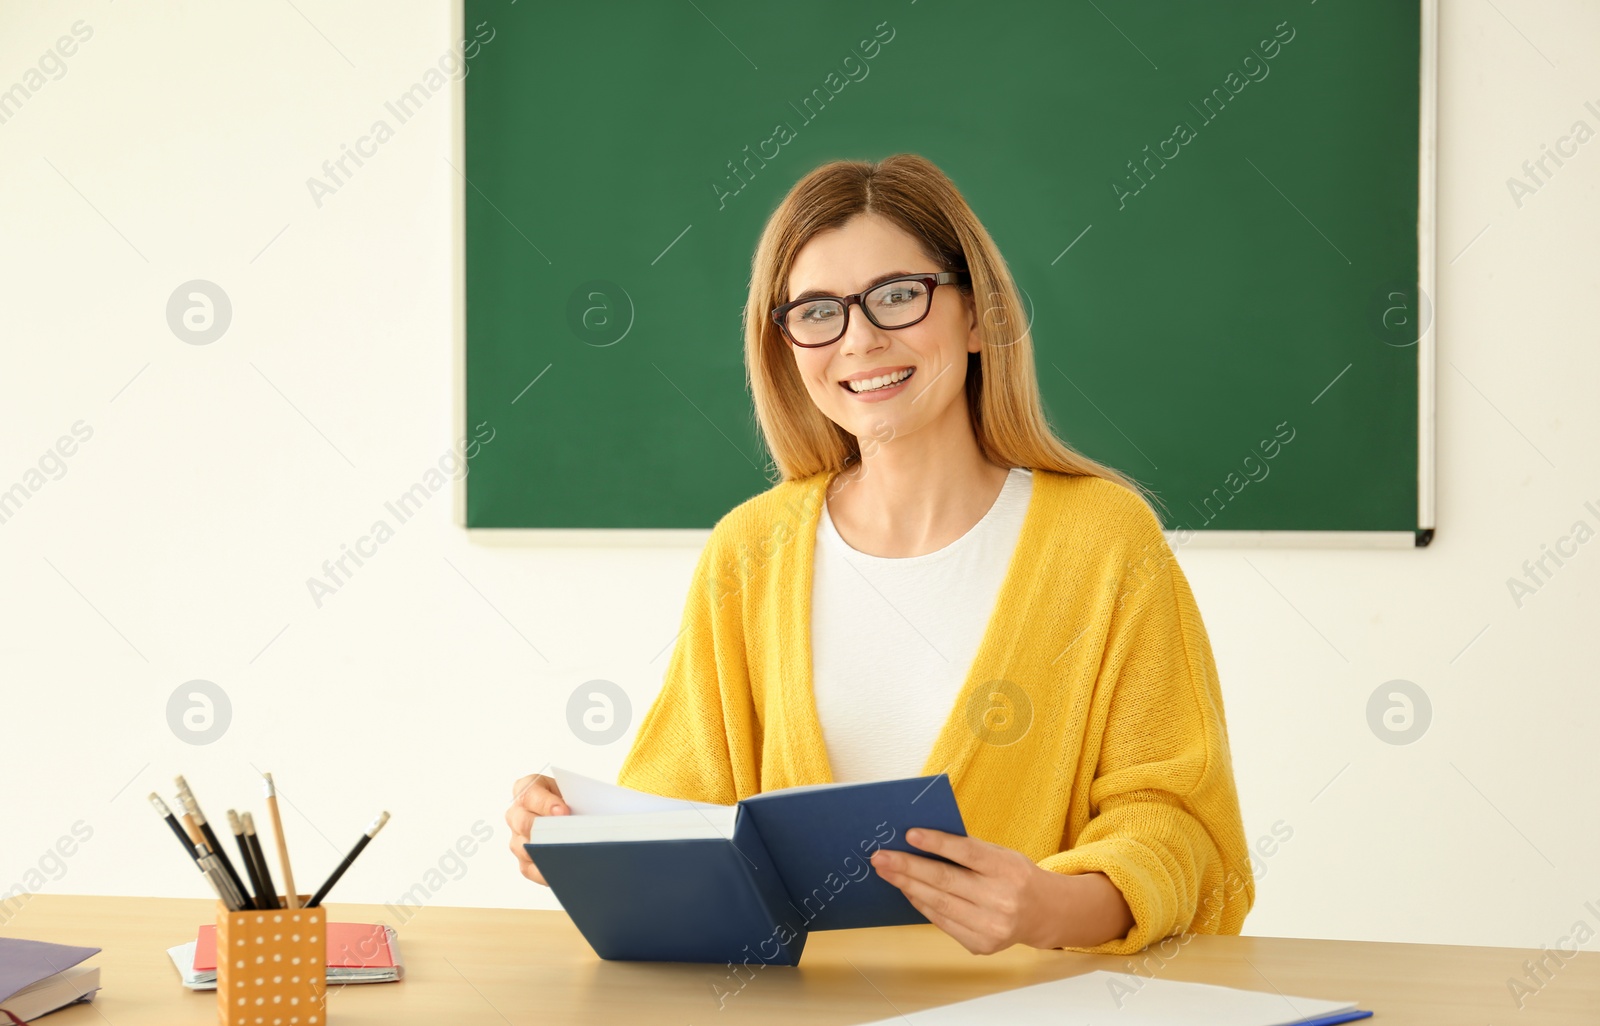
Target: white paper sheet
(1120, 999)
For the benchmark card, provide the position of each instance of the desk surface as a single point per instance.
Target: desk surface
(519, 968)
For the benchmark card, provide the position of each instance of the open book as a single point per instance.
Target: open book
(659, 879)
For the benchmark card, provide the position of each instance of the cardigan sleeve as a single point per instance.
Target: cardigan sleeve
(1164, 823)
(681, 749)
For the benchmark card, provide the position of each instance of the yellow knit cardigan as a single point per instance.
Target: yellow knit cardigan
(1095, 655)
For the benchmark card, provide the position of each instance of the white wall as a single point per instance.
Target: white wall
(219, 477)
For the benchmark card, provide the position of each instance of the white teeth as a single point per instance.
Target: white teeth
(882, 381)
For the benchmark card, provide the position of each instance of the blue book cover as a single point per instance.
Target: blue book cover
(793, 861)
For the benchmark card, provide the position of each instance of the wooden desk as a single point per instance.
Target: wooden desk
(519, 968)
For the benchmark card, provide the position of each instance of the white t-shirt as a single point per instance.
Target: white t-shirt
(892, 639)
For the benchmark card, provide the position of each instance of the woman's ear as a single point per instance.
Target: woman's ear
(974, 327)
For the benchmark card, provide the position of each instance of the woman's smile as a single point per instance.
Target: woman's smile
(877, 387)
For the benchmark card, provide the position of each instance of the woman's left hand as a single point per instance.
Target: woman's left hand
(995, 897)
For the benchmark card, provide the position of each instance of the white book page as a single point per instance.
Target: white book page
(819, 787)
(586, 796)
(1121, 999)
(53, 992)
(694, 822)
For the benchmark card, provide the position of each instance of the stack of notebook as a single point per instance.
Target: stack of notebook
(357, 953)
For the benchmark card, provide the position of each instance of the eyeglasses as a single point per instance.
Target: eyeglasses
(900, 303)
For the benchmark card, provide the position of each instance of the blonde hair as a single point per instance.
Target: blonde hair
(1002, 389)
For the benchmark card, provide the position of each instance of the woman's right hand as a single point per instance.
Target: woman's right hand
(532, 796)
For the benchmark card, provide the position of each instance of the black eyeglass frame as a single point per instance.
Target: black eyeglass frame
(933, 281)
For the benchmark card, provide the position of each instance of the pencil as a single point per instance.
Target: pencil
(260, 859)
(195, 837)
(219, 884)
(177, 828)
(209, 865)
(327, 885)
(237, 826)
(291, 898)
(211, 869)
(186, 796)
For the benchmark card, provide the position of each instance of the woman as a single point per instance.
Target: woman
(940, 585)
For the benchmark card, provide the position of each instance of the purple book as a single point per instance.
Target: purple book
(38, 977)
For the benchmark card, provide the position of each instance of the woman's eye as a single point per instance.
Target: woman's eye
(899, 296)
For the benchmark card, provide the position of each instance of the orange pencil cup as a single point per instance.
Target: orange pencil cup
(270, 969)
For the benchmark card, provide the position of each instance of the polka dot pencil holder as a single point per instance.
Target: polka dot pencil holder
(270, 968)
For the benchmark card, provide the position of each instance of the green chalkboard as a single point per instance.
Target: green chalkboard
(1212, 211)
